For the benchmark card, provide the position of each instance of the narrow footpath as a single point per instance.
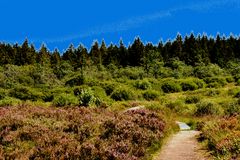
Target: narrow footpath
(182, 146)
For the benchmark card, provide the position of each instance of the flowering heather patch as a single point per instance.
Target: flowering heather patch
(77, 133)
(223, 136)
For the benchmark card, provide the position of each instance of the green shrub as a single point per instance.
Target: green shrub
(214, 85)
(47, 96)
(174, 105)
(212, 92)
(192, 99)
(78, 89)
(2, 94)
(75, 81)
(230, 79)
(25, 93)
(121, 94)
(86, 97)
(142, 84)
(231, 108)
(179, 107)
(9, 101)
(207, 108)
(210, 70)
(199, 82)
(109, 87)
(151, 95)
(133, 73)
(188, 86)
(171, 87)
(99, 92)
(214, 82)
(65, 100)
(238, 82)
(237, 95)
(235, 92)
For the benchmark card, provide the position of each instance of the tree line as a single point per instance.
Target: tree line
(193, 50)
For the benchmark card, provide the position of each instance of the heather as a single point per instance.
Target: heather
(28, 132)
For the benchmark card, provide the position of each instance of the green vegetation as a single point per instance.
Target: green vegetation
(84, 96)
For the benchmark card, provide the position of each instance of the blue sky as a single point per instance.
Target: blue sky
(61, 22)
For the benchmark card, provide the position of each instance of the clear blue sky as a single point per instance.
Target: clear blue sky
(61, 22)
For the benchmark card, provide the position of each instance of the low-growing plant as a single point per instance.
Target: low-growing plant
(86, 97)
(188, 85)
(171, 87)
(26, 93)
(230, 79)
(109, 87)
(64, 99)
(205, 108)
(215, 82)
(2, 93)
(151, 95)
(231, 107)
(78, 133)
(192, 99)
(238, 82)
(122, 93)
(212, 92)
(142, 84)
(75, 81)
(222, 137)
(9, 101)
(199, 82)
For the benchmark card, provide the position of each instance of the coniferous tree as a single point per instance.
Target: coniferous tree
(44, 57)
(55, 58)
(95, 54)
(136, 52)
(123, 56)
(103, 54)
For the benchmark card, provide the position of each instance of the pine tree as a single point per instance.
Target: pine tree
(44, 57)
(95, 54)
(136, 52)
(103, 54)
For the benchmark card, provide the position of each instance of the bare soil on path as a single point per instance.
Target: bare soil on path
(182, 146)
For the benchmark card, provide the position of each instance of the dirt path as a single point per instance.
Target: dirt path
(182, 146)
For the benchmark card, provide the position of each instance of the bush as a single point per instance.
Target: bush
(171, 87)
(79, 133)
(199, 82)
(212, 92)
(222, 137)
(238, 82)
(2, 94)
(77, 90)
(86, 97)
(76, 81)
(150, 95)
(142, 84)
(231, 108)
(208, 71)
(121, 94)
(215, 82)
(9, 101)
(133, 73)
(207, 108)
(65, 100)
(25, 93)
(109, 87)
(180, 108)
(192, 99)
(188, 86)
(230, 79)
